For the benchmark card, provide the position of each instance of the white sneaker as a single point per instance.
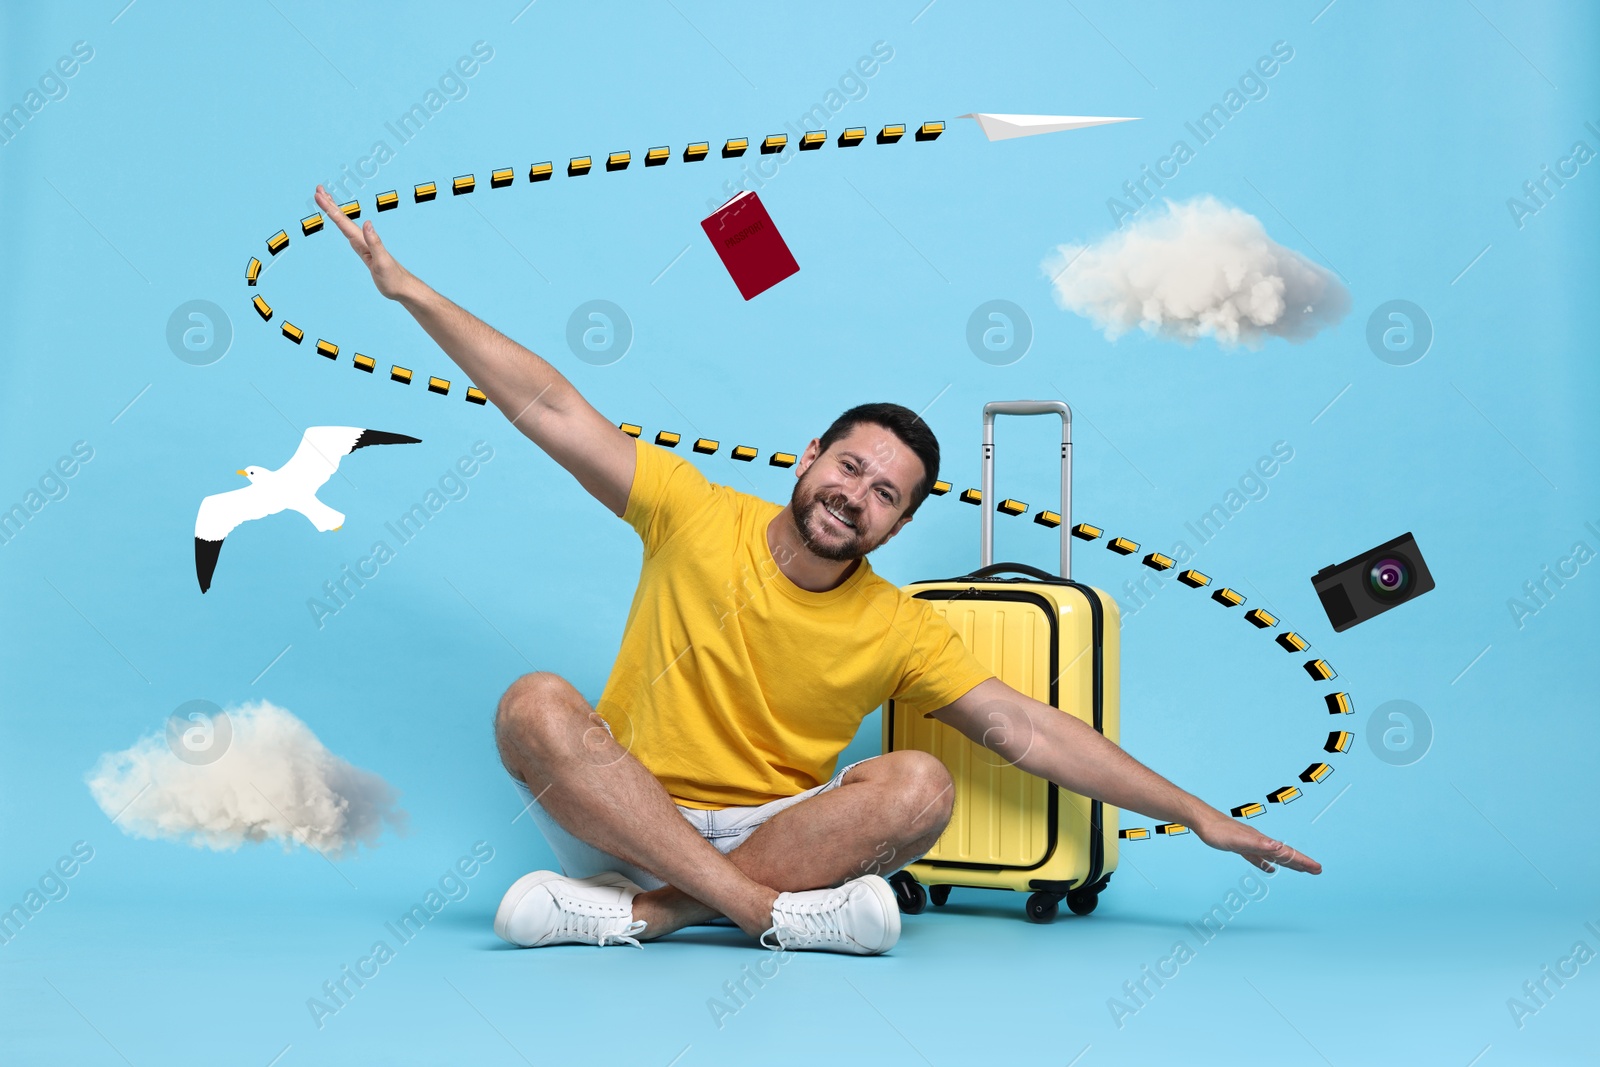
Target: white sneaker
(860, 916)
(546, 908)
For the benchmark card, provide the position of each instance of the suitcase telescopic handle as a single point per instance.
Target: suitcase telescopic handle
(1025, 407)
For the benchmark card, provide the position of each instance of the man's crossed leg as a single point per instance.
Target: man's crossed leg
(886, 812)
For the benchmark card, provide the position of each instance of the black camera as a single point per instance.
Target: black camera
(1371, 583)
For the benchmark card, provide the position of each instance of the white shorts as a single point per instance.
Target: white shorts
(725, 828)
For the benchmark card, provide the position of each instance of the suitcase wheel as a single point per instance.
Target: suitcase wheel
(1082, 903)
(908, 893)
(1042, 906)
(939, 894)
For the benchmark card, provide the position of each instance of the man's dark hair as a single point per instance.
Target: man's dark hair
(904, 424)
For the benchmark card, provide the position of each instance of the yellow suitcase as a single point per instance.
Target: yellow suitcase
(1052, 639)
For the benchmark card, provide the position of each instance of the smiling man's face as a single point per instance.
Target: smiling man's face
(851, 499)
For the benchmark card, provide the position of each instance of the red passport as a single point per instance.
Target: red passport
(750, 246)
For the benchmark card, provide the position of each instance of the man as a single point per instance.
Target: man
(757, 640)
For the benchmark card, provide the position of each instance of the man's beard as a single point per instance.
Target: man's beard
(808, 508)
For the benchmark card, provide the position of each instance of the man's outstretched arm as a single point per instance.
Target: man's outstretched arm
(1041, 740)
(535, 396)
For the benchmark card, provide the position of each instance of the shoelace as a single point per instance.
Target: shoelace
(635, 927)
(817, 920)
(585, 925)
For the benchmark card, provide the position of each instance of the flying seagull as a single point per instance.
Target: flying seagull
(1005, 127)
(292, 486)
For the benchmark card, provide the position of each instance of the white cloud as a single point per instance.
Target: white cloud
(1201, 269)
(275, 781)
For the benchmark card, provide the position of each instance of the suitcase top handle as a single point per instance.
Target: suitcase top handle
(1016, 568)
(1025, 407)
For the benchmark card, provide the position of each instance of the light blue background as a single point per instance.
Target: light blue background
(1386, 148)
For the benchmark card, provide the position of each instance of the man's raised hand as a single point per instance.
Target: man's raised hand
(387, 273)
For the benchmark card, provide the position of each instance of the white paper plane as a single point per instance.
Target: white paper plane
(1005, 127)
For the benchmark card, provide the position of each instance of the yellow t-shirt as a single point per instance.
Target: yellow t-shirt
(733, 685)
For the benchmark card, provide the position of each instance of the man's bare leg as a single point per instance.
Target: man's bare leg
(551, 738)
(888, 811)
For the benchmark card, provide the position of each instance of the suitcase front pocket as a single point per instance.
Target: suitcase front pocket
(1003, 817)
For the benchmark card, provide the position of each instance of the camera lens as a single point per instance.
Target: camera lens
(1389, 578)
